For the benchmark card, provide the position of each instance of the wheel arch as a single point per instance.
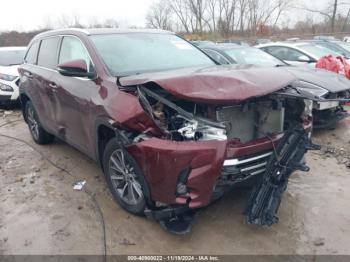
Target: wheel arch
(24, 98)
(105, 131)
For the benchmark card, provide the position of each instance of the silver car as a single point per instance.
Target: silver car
(297, 53)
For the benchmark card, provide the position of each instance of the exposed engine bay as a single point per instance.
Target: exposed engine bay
(237, 125)
(182, 120)
(198, 133)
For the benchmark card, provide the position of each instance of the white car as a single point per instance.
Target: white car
(297, 53)
(347, 39)
(10, 59)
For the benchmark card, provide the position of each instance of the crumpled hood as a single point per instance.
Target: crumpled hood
(328, 80)
(217, 84)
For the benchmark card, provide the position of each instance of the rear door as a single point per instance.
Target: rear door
(74, 97)
(36, 79)
(47, 65)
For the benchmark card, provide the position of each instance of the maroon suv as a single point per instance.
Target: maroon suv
(171, 130)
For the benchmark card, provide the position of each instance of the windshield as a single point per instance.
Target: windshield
(11, 57)
(253, 56)
(134, 53)
(318, 51)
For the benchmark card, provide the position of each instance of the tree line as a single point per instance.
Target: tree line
(244, 17)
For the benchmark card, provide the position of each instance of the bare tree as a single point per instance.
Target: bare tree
(212, 9)
(330, 13)
(159, 15)
(67, 21)
(182, 12)
(346, 21)
(242, 10)
(334, 13)
(198, 8)
(227, 16)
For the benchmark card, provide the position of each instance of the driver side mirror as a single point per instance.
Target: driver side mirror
(304, 58)
(75, 68)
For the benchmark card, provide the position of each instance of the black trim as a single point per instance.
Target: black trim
(5, 98)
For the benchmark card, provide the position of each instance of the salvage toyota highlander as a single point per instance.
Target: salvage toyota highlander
(171, 130)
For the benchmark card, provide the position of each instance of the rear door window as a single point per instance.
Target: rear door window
(32, 53)
(48, 53)
(284, 53)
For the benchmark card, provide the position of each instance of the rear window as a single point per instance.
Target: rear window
(48, 53)
(11, 57)
(32, 53)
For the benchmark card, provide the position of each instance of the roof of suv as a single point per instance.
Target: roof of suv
(100, 31)
(13, 48)
(287, 43)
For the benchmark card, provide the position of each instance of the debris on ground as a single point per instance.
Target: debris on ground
(126, 242)
(340, 154)
(319, 242)
(79, 185)
(32, 179)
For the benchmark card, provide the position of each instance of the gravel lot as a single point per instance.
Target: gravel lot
(40, 213)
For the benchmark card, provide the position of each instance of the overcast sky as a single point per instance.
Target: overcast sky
(24, 15)
(32, 14)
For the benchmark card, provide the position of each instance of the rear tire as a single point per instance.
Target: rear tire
(39, 135)
(123, 176)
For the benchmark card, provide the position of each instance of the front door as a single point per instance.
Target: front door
(74, 96)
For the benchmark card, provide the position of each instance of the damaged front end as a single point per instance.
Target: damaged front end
(192, 152)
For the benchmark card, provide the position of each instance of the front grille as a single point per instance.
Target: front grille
(240, 169)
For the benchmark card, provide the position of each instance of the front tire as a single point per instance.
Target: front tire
(39, 135)
(123, 177)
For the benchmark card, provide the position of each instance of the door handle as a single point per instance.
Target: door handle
(53, 85)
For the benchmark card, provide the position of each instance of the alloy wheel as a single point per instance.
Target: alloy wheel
(33, 123)
(124, 179)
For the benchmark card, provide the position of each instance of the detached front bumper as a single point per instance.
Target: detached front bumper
(208, 165)
(163, 161)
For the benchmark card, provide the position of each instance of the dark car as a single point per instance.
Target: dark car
(171, 130)
(320, 82)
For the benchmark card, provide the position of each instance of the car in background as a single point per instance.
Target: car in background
(324, 37)
(346, 39)
(10, 59)
(202, 43)
(335, 45)
(297, 53)
(234, 41)
(261, 41)
(322, 83)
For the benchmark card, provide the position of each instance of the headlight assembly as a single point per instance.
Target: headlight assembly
(311, 88)
(194, 130)
(5, 88)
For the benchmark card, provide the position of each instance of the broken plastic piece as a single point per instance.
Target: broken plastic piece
(266, 196)
(180, 225)
(79, 185)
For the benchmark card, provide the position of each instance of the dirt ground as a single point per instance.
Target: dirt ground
(40, 213)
